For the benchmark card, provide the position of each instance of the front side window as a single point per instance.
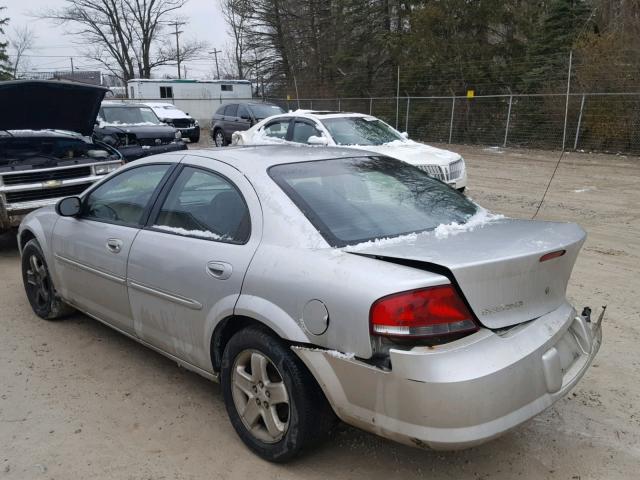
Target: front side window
(355, 200)
(303, 130)
(205, 205)
(360, 131)
(243, 112)
(277, 129)
(124, 198)
(130, 115)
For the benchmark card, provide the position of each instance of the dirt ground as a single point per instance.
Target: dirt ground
(79, 401)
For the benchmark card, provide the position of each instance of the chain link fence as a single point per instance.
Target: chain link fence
(607, 122)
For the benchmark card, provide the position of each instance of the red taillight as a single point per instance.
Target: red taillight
(550, 255)
(429, 312)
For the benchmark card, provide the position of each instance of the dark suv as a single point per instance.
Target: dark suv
(233, 117)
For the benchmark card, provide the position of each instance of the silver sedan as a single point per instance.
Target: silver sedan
(322, 283)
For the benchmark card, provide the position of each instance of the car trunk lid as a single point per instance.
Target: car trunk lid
(497, 265)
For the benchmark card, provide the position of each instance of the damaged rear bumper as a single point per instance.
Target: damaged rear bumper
(466, 392)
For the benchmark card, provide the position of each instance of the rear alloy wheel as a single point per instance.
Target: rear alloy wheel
(38, 284)
(260, 396)
(273, 402)
(218, 138)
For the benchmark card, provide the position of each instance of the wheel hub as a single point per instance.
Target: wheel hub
(260, 396)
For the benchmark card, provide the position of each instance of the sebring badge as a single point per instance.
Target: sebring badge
(502, 308)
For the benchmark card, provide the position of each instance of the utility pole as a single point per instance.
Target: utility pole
(176, 24)
(73, 70)
(215, 53)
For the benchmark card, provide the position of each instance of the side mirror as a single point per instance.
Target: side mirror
(404, 135)
(69, 207)
(315, 140)
(245, 117)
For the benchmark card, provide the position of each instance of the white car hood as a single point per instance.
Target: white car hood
(412, 152)
(170, 113)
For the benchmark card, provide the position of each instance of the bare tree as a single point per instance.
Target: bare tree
(126, 35)
(21, 41)
(4, 59)
(236, 14)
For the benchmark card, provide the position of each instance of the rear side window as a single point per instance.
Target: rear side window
(123, 198)
(230, 110)
(355, 200)
(205, 205)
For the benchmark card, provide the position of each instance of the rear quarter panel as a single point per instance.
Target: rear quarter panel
(281, 281)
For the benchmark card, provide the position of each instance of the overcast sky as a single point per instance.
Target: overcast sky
(53, 45)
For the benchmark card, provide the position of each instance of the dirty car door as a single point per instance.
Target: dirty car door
(187, 266)
(91, 250)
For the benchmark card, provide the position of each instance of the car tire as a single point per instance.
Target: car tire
(38, 284)
(218, 138)
(274, 431)
(462, 189)
(195, 139)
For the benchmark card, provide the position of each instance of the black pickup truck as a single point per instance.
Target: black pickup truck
(135, 130)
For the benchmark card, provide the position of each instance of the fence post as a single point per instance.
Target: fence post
(453, 108)
(398, 97)
(506, 130)
(311, 104)
(575, 142)
(566, 105)
(406, 118)
(339, 105)
(370, 105)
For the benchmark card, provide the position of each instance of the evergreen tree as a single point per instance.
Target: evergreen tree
(562, 24)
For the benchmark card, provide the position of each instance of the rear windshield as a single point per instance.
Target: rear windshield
(354, 200)
(263, 111)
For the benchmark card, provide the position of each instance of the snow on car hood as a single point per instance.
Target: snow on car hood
(412, 152)
(169, 113)
(49, 105)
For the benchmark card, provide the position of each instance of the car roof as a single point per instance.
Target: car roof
(160, 104)
(252, 158)
(123, 104)
(322, 114)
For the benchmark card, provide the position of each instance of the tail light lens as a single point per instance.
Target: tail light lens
(428, 312)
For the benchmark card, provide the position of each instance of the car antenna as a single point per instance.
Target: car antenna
(544, 195)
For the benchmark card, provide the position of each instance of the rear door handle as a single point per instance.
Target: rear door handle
(114, 245)
(219, 270)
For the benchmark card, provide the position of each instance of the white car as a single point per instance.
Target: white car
(356, 130)
(172, 115)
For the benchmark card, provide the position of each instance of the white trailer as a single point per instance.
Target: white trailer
(199, 98)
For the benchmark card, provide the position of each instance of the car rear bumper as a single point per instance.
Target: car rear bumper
(463, 393)
(134, 152)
